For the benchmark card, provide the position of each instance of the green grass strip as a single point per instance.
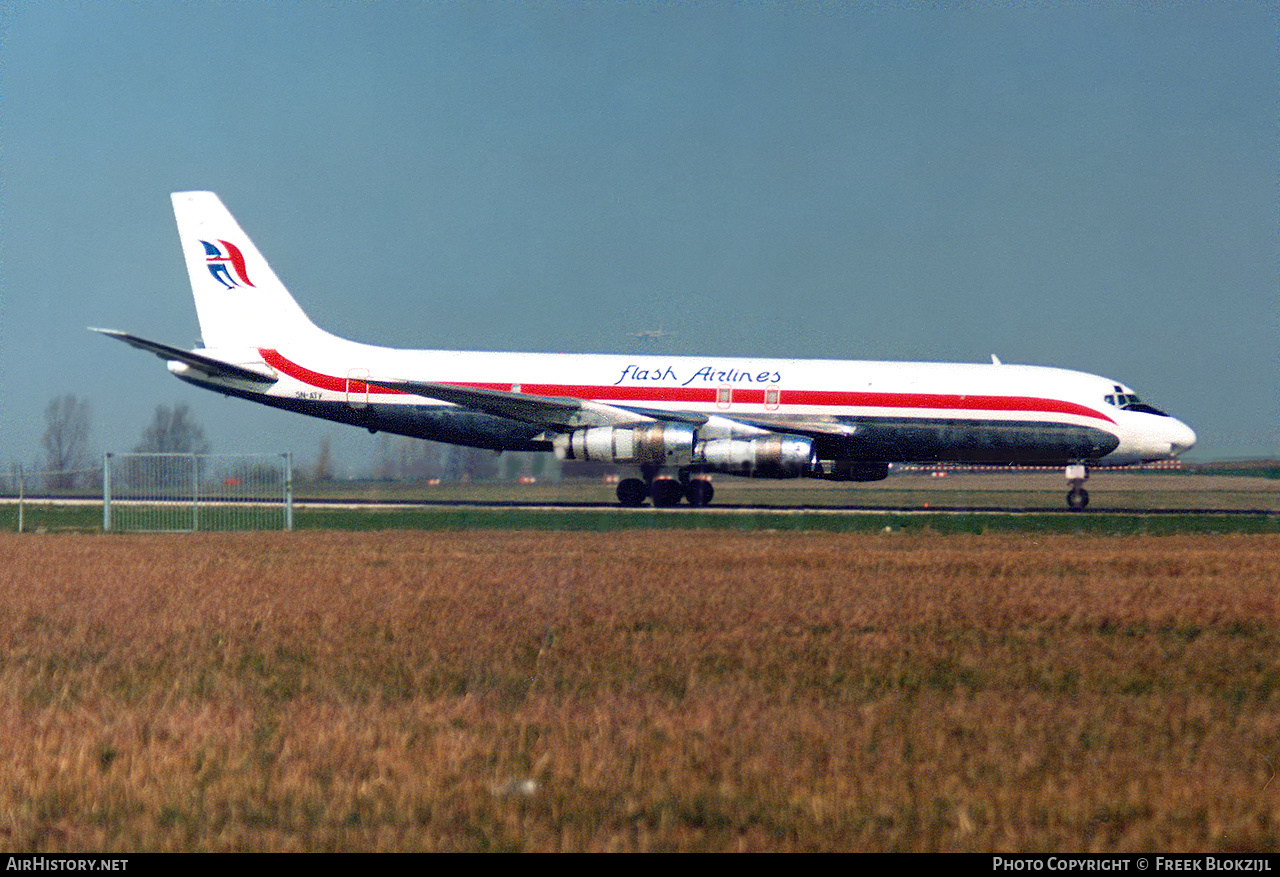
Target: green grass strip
(52, 519)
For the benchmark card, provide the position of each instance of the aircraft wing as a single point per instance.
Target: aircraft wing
(201, 363)
(815, 428)
(657, 414)
(567, 413)
(555, 412)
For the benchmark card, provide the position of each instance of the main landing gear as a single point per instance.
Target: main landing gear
(665, 492)
(1078, 497)
(632, 492)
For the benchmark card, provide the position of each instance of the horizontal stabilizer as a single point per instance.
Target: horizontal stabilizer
(206, 364)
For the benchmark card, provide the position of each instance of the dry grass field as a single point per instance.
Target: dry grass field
(639, 691)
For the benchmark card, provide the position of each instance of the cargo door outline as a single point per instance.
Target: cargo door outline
(358, 388)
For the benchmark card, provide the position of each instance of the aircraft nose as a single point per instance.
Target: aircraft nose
(1181, 438)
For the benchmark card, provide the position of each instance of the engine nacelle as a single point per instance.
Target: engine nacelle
(771, 456)
(675, 445)
(655, 444)
(848, 470)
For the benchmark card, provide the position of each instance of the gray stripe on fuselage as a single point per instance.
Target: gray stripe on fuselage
(912, 439)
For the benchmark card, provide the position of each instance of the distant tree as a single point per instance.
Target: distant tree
(384, 467)
(512, 466)
(407, 459)
(544, 466)
(474, 464)
(535, 464)
(65, 441)
(173, 431)
(323, 470)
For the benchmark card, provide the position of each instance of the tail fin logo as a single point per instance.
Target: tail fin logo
(222, 261)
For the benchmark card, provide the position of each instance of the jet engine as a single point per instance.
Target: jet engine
(654, 444)
(770, 456)
(671, 444)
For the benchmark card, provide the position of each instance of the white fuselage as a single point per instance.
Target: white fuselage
(328, 369)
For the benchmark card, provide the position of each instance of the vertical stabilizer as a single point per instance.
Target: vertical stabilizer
(239, 300)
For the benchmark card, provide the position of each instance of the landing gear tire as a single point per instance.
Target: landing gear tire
(1077, 474)
(632, 492)
(666, 492)
(699, 492)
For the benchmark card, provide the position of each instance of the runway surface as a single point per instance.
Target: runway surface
(749, 508)
(715, 509)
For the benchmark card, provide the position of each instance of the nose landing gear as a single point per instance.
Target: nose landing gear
(1078, 497)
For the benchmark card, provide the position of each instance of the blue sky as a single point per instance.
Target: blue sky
(1090, 186)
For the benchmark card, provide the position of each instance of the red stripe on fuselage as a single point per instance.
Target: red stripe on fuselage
(318, 380)
(708, 395)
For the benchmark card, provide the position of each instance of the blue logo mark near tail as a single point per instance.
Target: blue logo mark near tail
(225, 260)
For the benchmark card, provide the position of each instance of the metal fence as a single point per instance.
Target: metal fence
(190, 492)
(36, 490)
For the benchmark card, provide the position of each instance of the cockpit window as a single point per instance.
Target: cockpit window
(1131, 402)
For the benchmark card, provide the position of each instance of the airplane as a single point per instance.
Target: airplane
(674, 418)
(651, 334)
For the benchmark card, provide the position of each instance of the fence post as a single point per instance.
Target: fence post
(195, 493)
(106, 492)
(288, 491)
(22, 490)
